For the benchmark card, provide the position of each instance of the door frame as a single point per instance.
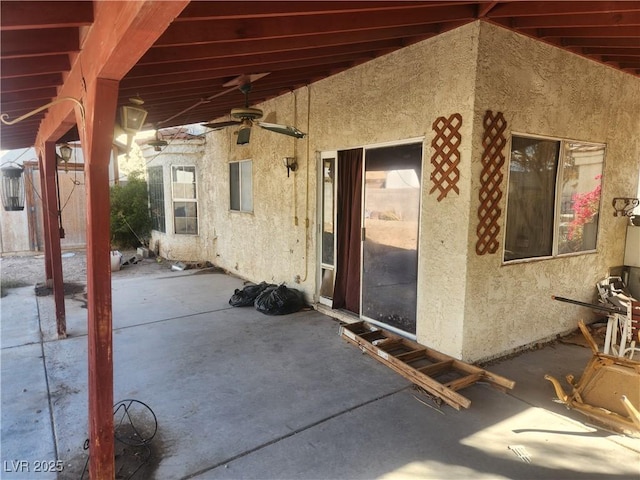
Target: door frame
(320, 156)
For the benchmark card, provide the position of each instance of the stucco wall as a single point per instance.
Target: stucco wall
(390, 99)
(543, 90)
(469, 306)
(170, 245)
(274, 242)
(396, 97)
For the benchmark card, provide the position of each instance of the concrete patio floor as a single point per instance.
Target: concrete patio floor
(238, 394)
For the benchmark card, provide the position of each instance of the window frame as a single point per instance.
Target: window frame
(175, 199)
(155, 191)
(240, 186)
(557, 208)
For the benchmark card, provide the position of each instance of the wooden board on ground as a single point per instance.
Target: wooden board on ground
(438, 373)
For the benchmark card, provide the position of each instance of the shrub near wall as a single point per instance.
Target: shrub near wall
(130, 218)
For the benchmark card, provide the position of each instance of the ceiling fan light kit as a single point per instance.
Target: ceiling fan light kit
(245, 117)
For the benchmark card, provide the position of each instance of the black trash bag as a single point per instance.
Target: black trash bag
(279, 301)
(247, 296)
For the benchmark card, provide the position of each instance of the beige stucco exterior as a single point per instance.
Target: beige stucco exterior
(470, 306)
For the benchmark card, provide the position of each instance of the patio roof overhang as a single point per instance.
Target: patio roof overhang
(203, 45)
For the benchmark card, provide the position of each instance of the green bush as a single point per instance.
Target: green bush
(130, 218)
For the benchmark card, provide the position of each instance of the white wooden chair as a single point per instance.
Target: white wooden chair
(623, 330)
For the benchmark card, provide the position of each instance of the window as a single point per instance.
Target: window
(156, 198)
(327, 215)
(553, 198)
(241, 186)
(185, 204)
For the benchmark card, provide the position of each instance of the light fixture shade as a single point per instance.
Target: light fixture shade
(132, 118)
(12, 188)
(244, 133)
(65, 152)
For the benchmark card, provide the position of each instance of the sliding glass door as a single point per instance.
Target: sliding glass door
(391, 213)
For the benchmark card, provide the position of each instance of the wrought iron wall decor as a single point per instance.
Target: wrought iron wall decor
(623, 206)
(446, 157)
(493, 141)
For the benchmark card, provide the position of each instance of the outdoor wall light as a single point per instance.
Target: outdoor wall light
(65, 155)
(132, 116)
(291, 164)
(132, 119)
(12, 188)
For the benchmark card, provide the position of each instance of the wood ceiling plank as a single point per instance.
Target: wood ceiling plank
(216, 86)
(234, 10)
(182, 33)
(250, 65)
(583, 20)
(624, 63)
(31, 15)
(591, 32)
(20, 67)
(270, 45)
(48, 41)
(521, 9)
(19, 108)
(267, 58)
(47, 94)
(17, 84)
(627, 52)
(599, 42)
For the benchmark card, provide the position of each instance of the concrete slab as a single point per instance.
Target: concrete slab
(397, 437)
(227, 381)
(19, 318)
(238, 394)
(26, 435)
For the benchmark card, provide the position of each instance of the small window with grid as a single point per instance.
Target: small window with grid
(156, 198)
(185, 200)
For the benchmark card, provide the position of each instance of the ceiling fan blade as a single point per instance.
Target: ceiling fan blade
(243, 135)
(244, 79)
(219, 125)
(284, 129)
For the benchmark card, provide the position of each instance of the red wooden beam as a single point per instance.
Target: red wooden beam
(97, 140)
(51, 223)
(121, 34)
(48, 272)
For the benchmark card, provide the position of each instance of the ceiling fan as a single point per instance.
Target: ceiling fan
(246, 117)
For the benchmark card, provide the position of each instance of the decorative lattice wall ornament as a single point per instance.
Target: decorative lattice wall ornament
(493, 141)
(446, 157)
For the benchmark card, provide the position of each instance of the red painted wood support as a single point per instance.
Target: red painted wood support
(98, 138)
(50, 218)
(47, 254)
(120, 35)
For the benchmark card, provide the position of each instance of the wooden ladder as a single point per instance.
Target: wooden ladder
(439, 374)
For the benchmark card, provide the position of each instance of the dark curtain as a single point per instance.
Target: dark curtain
(349, 210)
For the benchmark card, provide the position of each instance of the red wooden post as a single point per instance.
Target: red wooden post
(101, 111)
(47, 254)
(50, 216)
